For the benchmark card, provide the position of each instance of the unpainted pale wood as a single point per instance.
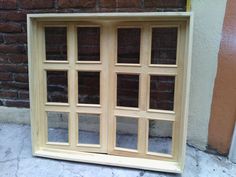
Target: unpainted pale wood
(131, 162)
(186, 88)
(71, 55)
(108, 68)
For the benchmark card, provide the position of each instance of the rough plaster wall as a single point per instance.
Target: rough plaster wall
(208, 21)
(14, 115)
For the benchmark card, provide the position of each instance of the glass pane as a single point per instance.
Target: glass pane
(128, 45)
(56, 43)
(89, 129)
(164, 45)
(57, 86)
(58, 127)
(160, 136)
(126, 132)
(127, 90)
(162, 92)
(89, 87)
(88, 43)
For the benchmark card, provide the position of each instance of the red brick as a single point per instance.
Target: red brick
(165, 3)
(10, 27)
(13, 68)
(17, 103)
(128, 4)
(22, 86)
(3, 59)
(14, 85)
(15, 38)
(36, 4)
(7, 85)
(16, 58)
(6, 76)
(8, 4)
(7, 67)
(8, 94)
(24, 27)
(23, 95)
(21, 69)
(12, 48)
(107, 3)
(76, 3)
(13, 16)
(1, 38)
(16, 16)
(13, 58)
(21, 78)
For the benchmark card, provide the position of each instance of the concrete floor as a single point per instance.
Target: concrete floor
(16, 161)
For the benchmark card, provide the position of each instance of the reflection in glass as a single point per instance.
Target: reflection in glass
(160, 136)
(89, 87)
(126, 132)
(56, 43)
(164, 45)
(89, 129)
(57, 86)
(127, 90)
(88, 43)
(128, 45)
(57, 127)
(162, 92)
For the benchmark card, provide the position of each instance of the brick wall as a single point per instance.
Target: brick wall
(14, 90)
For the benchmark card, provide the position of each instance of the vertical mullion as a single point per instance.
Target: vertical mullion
(75, 138)
(104, 85)
(142, 135)
(144, 59)
(147, 63)
(71, 50)
(111, 33)
(145, 54)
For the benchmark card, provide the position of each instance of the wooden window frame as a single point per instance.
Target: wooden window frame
(72, 150)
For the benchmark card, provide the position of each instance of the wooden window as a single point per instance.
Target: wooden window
(110, 88)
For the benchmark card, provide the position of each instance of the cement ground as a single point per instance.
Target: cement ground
(16, 161)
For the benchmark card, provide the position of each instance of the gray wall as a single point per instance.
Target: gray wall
(208, 22)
